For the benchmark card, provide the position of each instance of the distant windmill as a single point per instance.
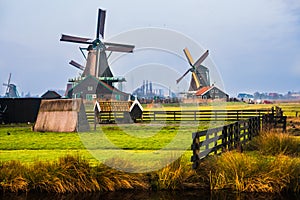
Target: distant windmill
(200, 73)
(11, 89)
(97, 64)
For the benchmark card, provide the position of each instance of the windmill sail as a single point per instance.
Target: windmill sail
(97, 64)
(199, 76)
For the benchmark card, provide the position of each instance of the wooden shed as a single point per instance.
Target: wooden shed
(118, 111)
(63, 115)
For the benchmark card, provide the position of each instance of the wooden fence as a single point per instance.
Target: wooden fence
(274, 120)
(233, 136)
(186, 115)
(224, 138)
(203, 115)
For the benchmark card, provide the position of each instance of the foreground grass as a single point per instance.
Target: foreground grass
(248, 173)
(252, 171)
(271, 163)
(231, 171)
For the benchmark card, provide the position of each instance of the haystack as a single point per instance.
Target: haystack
(62, 115)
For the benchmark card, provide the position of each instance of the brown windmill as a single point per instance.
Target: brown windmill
(200, 73)
(96, 60)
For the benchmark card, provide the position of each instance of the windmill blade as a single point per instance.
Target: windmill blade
(8, 83)
(68, 38)
(188, 56)
(119, 47)
(77, 65)
(196, 80)
(201, 59)
(101, 23)
(178, 80)
(9, 77)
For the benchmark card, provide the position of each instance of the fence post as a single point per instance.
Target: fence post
(225, 138)
(216, 142)
(196, 150)
(284, 123)
(237, 133)
(95, 119)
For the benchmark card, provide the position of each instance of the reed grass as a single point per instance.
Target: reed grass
(243, 173)
(174, 175)
(69, 174)
(274, 143)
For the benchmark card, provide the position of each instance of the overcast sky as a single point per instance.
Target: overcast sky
(254, 44)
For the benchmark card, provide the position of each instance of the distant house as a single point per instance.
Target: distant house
(92, 88)
(211, 92)
(50, 94)
(245, 97)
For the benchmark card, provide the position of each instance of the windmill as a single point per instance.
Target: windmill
(96, 60)
(11, 89)
(200, 73)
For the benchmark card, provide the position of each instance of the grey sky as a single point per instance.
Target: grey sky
(255, 44)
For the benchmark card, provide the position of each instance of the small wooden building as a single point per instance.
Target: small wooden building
(118, 111)
(211, 92)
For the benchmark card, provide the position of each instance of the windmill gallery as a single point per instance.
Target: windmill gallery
(97, 82)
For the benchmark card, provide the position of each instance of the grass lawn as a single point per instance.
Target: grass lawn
(138, 148)
(18, 142)
(21, 143)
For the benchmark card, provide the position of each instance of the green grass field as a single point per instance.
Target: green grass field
(72, 161)
(21, 143)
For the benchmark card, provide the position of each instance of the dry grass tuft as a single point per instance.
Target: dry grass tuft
(244, 173)
(69, 175)
(273, 143)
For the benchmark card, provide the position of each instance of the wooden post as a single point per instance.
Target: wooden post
(174, 115)
(237, 133)
(225, 138)
(95, 120)
(216, 142)
(284, 124)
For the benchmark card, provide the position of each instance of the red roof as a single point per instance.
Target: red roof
(203, 90)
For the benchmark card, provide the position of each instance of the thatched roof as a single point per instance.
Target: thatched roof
(116, 106)
(64, 115)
